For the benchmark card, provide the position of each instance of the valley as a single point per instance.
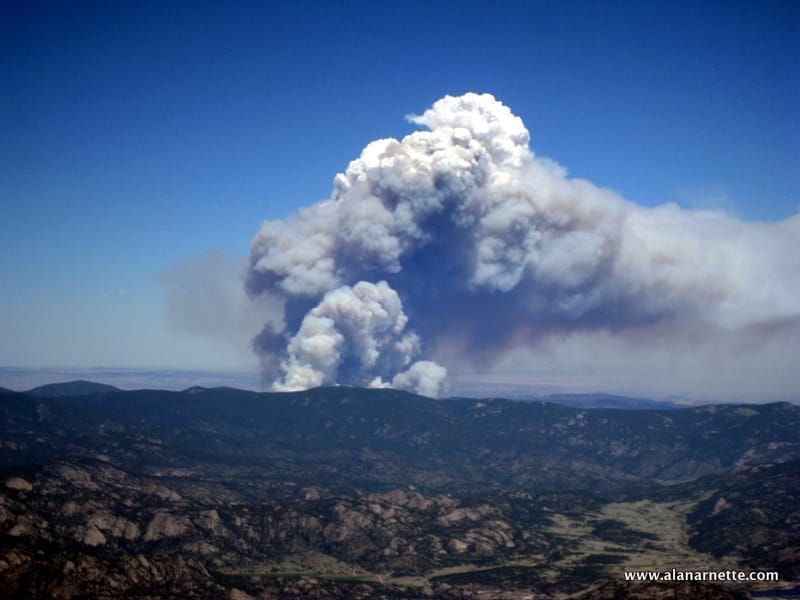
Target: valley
(349, 493)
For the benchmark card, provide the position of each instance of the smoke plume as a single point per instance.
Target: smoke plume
(458, 241)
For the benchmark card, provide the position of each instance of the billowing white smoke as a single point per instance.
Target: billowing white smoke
(480, 246)
(359, 328)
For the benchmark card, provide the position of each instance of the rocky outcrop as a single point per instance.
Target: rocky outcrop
(342, 494)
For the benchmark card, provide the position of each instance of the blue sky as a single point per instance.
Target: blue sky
(136, 135)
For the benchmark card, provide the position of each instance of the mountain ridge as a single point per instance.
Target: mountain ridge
(530, 443)
(78, 387)
(347, 492)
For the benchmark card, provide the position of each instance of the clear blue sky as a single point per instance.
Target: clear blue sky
(135, 135)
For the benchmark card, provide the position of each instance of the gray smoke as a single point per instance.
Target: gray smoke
(203, 298)
(355, 333)
(460, 242)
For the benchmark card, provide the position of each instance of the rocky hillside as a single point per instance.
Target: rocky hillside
(764, 502)
(346, 493)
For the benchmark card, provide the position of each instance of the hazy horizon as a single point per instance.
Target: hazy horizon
(511, 386)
